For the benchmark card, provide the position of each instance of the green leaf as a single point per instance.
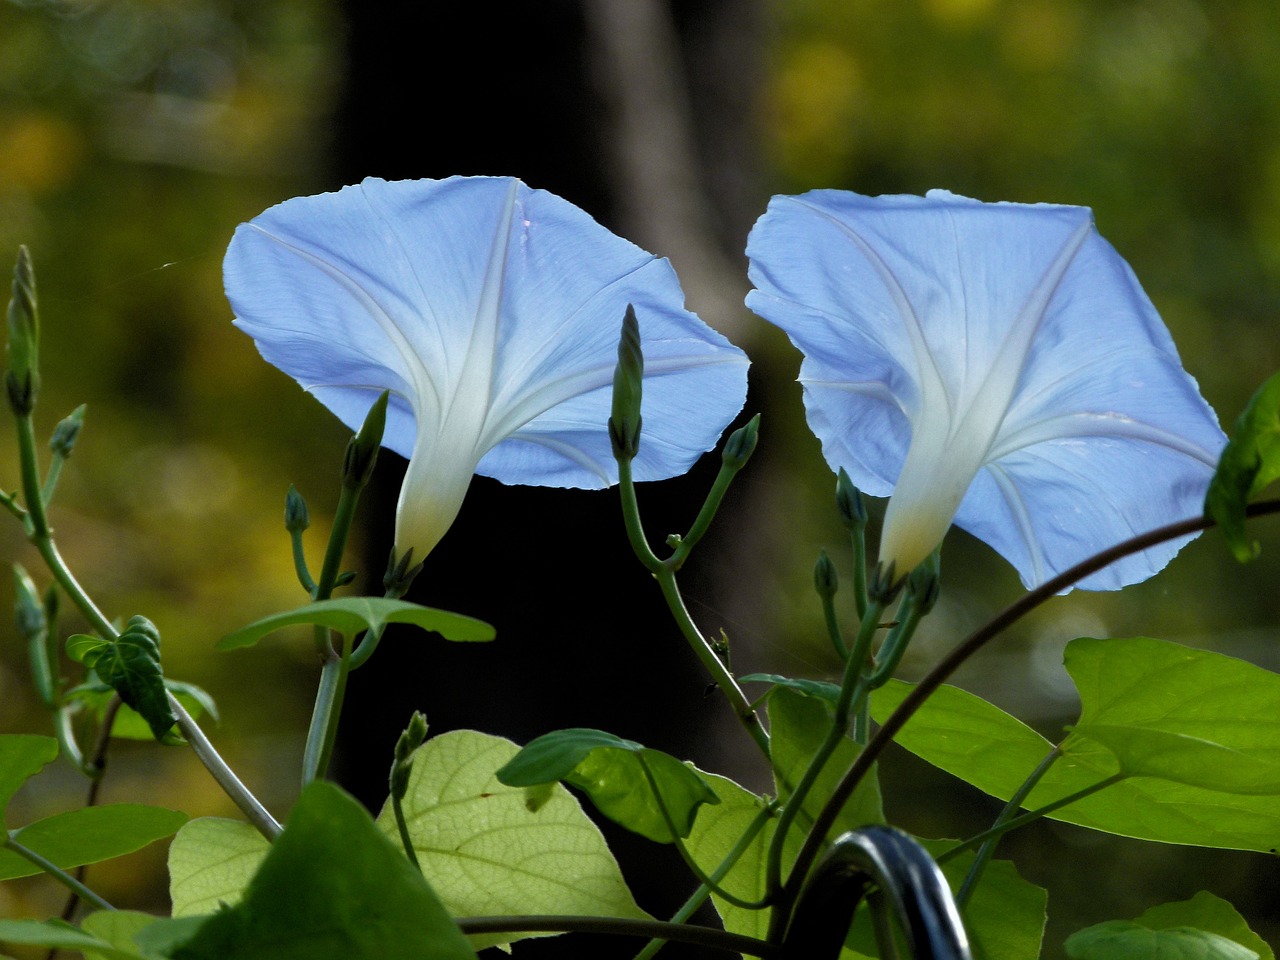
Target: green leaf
(1189, 716)
(22, 756)
(981, 744)
(85, 648)
(128, 723)
(131, 666)
(1206, 912)
(350, 615)
(1004, 918)
(63, 936)
(211, 862)
(799, 724)
(822, 689)
(331, 888)
(626, 781)
(89, 835)
(1249, 463)
(119, 928)
(716, 831)
(1125, 940)
(488, 853)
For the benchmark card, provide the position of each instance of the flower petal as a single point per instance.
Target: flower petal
(995, 363)
(492, 312)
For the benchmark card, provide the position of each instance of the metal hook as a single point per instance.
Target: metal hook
(890, 861)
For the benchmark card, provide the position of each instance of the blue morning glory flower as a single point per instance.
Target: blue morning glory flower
(492, 313)
(996, 365)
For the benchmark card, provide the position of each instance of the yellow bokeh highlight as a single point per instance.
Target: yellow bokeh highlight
(38, 152)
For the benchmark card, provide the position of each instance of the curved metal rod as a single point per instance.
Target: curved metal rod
(889, 861)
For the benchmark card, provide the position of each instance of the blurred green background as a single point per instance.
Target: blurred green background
(136, 134)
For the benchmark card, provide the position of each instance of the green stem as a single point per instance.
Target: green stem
(57, 873)
(10, 503)
(300, 563)
(839, 727)
(30, 471)
(52, 477)
(680, 932)
(678, 842)
(1015, 822)
(858, 542)
(324, 719)
(690, 906)
(738, 701)
(988, 848)
(66, 735)
(41, 537)
(226, 778)
(631, 519)
(665, 573)
(833, 626)
(397, 807)
(703, 520)
(910, 613)
(368, 643)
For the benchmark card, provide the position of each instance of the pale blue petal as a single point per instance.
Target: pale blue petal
(995, 363)
(492, 312)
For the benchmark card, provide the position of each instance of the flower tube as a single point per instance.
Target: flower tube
(492, 313)
(995, 365)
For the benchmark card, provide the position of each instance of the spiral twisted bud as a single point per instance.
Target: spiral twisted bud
(22, 380)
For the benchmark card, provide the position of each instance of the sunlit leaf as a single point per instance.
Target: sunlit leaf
(22, 756)
(488, 851)
(88, 835)
(1175, 713)
(982, 745)
(350, 615)
(211, 862)
(1250, 463)
(716, 831)
(333, 887)
(627, 782)
(799, 724)
(119, 928)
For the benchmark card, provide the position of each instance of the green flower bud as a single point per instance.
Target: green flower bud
(853, 509)
(925, 582)
(825, 580)
(33, 618)
(67, 432)
(296, 517)
(741, 444)
(412, 737)
(362, 451)
(624, 423)
(27, 605)
(22, 381)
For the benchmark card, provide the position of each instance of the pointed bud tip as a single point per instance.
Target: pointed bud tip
(362, 451)
(624, 419)
(850, 502)
(741, 444)
(296, 516)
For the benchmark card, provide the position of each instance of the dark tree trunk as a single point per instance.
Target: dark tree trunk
(534, 90)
